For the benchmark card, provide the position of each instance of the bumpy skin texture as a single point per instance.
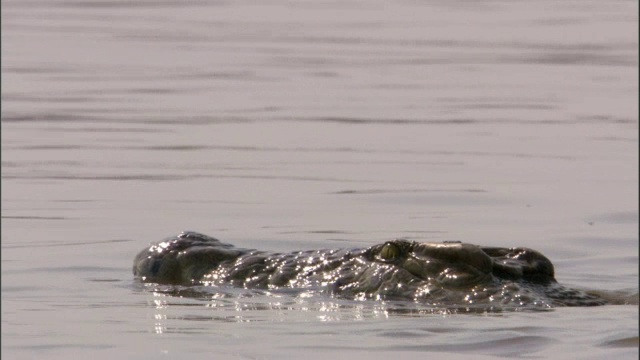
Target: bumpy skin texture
(437, 274)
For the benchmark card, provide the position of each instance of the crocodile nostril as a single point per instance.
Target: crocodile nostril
(157, 263)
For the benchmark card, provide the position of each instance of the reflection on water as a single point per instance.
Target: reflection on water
(228, 304)
(266, 308)
(218, 312)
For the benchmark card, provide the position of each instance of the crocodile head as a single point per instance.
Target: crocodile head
(438, 274)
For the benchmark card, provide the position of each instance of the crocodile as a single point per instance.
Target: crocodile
(435, 274)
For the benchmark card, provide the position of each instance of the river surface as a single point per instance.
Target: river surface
(289, 125)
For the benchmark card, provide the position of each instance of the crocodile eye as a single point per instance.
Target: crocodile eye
(389, 252)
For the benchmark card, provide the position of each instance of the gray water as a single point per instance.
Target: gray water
(288, 125)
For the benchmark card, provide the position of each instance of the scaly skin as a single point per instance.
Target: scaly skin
(436, 274)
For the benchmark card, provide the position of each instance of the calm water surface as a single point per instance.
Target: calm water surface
(288, 125)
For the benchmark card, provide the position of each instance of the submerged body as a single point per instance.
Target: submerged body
(436, 274)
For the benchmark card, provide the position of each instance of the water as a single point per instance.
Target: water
(298, 125)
